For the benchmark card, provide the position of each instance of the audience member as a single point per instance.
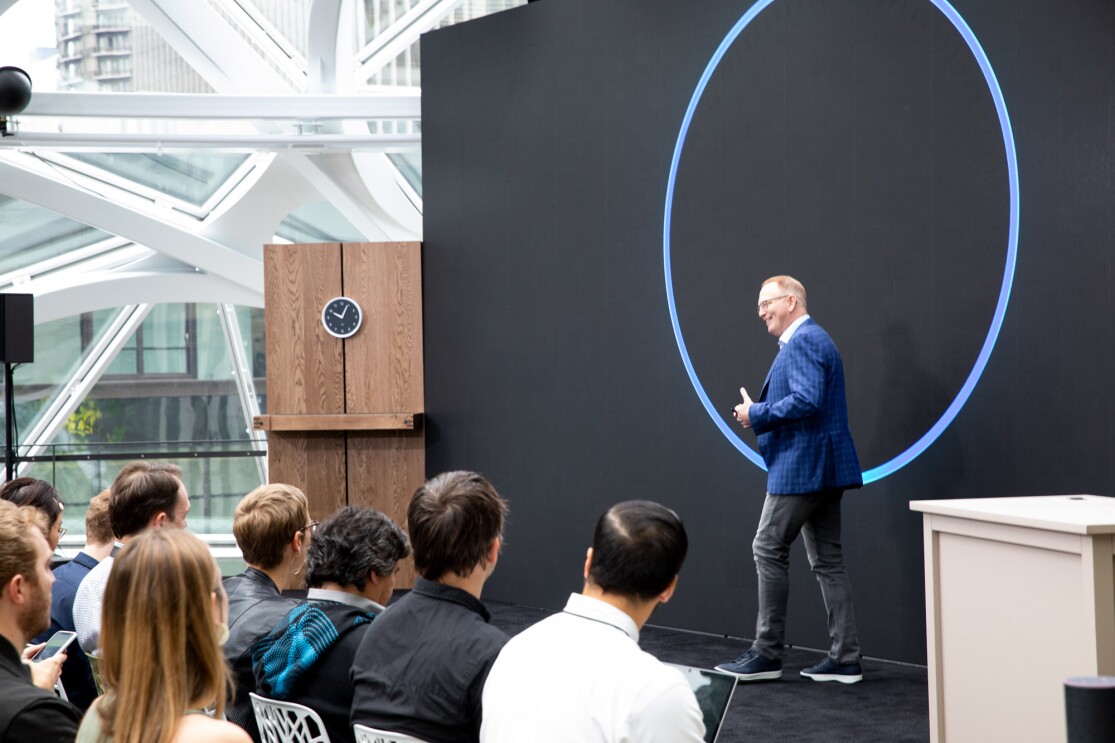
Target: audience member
(40, 494)
(77, 676)
(597, 686)
(28, 712)
(144, 495)
(272, 528)
(162, 663)
(421, 666)
(350, 571)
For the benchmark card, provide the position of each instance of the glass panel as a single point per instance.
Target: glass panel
(165, 337)
(215, 486)
(410, 165)
(252, 333)
(288, 17)
(59, 350)
(193, 178)
(318, 222)
(29, 234)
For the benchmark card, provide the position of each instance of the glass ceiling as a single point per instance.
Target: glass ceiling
(30, 234)
(316, 223)
(193, 178)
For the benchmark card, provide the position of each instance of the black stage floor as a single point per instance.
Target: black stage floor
(890, 705)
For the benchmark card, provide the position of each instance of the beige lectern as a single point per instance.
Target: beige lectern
(1019, 595)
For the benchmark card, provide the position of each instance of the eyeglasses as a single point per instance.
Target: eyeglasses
(312, 526)
(762, 307)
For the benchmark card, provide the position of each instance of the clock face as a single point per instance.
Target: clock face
(341, 317)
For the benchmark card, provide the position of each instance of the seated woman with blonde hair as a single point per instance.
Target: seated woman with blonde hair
(164, 621)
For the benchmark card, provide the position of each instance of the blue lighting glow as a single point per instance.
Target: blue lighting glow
(919, 446)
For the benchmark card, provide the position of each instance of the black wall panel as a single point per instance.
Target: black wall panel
(854, 145)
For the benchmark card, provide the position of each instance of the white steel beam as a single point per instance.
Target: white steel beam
(277, 50)
(337, 189)
(328, 52)
(115, 142)
(245, 384)
(391, 41)
(404, 105)
(74, 391)
(381, 178)
(211, 46)
(28, 179)
(26, 274)
(56, 299)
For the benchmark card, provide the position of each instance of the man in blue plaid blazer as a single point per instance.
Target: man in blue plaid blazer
(801, 420)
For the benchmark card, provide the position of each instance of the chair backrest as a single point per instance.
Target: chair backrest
(365, 734)
(287, 722)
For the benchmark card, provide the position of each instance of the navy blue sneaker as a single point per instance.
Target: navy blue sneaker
(830, 670)
(752, 666)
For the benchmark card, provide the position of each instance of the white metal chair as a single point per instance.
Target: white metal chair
(287, 722)
(365, 734)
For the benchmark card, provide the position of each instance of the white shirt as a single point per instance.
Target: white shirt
(788, 333)
(87, 605)
(581, 676)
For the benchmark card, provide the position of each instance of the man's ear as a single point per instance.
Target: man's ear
(588, 561)
(15, 589)
(160, 520)
(493, 552)
(669, 592)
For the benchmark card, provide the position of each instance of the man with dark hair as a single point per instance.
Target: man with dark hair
(27, 713)
(597, 685)
(350, 572)
(421, 666)
(272, 527)
(144, 495)
(77, 676)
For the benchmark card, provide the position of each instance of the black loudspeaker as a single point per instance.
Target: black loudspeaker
(17, 328)
(1090, 709)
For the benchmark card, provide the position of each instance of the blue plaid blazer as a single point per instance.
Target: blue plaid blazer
(801, 418)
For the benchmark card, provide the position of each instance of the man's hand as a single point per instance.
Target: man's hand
(44, 673)
(743, 410)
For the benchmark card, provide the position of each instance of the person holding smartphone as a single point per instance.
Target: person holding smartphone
(27, 711)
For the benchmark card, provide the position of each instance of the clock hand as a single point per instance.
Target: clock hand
(334, 314)
(342, 315)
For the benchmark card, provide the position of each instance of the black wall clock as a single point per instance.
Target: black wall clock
(341, 317)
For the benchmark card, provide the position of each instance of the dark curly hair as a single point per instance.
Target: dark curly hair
(352, 543)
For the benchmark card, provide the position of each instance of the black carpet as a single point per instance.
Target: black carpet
(891, 704)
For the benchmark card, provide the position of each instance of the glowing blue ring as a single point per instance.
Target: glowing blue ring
(938, 428)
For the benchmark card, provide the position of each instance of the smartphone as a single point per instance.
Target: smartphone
(55, 645)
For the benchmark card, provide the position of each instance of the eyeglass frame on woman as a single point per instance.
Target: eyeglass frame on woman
(312, 526)
(766, 303)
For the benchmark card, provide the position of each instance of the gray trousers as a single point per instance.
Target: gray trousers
(817, 516)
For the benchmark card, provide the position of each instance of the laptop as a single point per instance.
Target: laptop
(713, 690)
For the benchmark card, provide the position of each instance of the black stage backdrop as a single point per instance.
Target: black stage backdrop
(854, 145)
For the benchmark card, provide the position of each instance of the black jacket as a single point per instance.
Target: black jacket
(307, 657)
(421, 666)
(255, 606)
(27, 713)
